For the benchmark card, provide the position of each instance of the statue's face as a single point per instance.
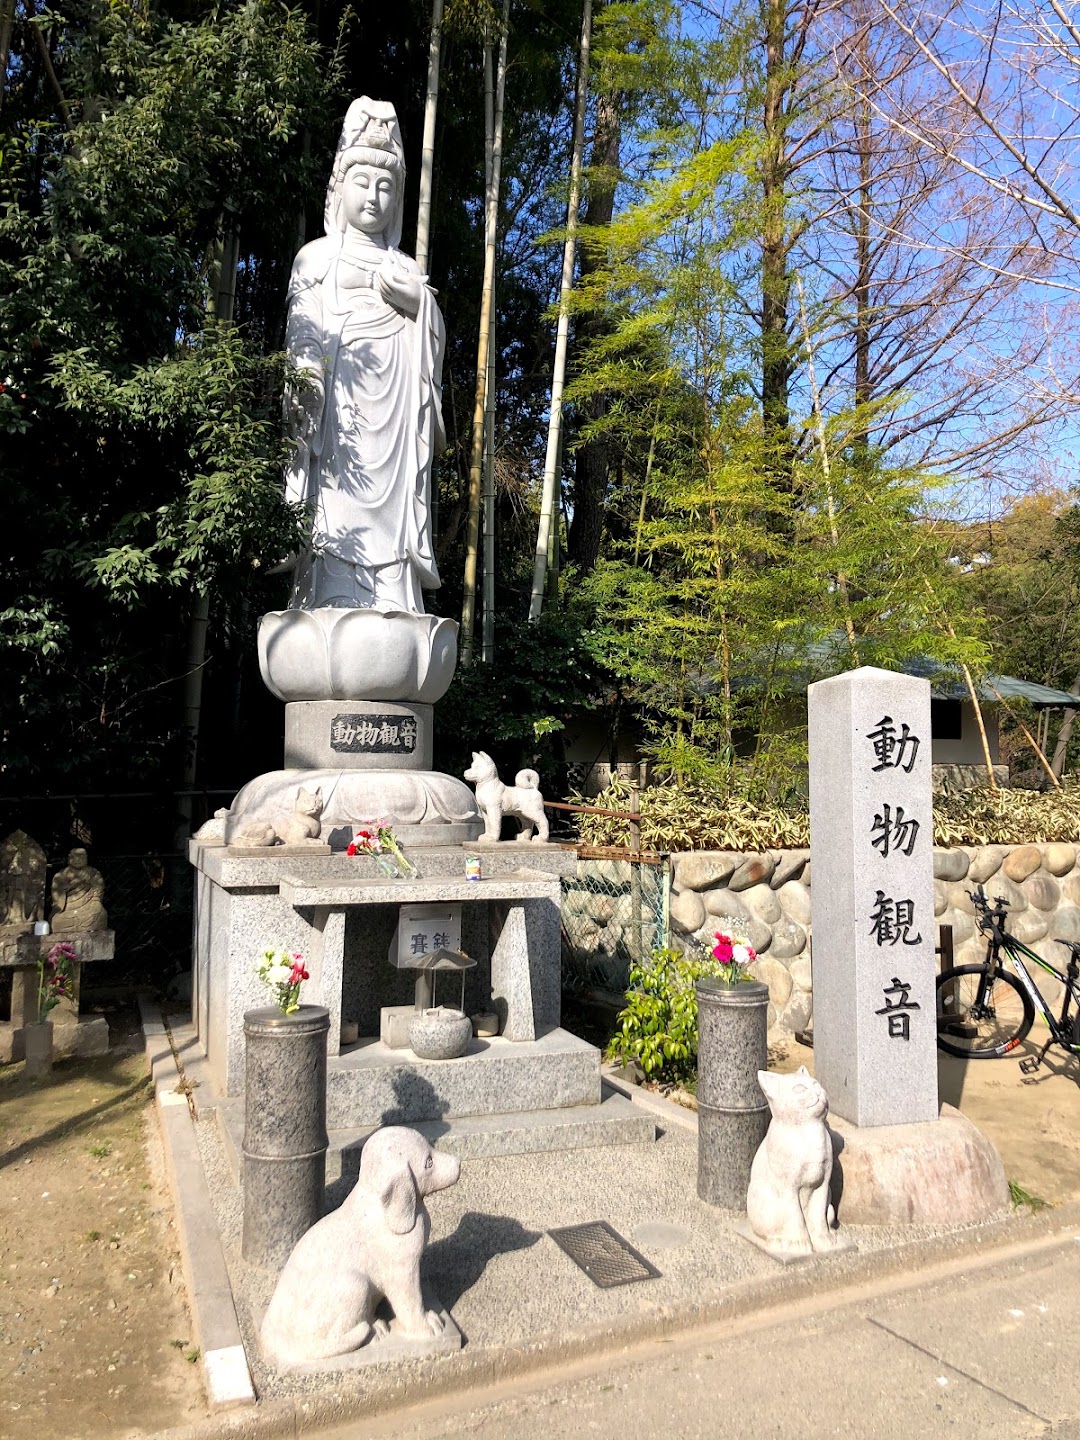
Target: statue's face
(367, 197)
(77, 859)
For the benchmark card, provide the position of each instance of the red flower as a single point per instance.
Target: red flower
(350, 849)
(298, 973)
(722, 950)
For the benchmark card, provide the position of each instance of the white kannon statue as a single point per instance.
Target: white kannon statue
(366, 333)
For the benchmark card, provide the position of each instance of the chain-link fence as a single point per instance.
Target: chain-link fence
(614, 912)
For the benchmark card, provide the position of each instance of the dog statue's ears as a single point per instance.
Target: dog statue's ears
(388, 1175)
(398, 1196)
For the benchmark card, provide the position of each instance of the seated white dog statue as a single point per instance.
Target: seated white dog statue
(326, 1297)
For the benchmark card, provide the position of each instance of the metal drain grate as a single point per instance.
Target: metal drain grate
(603, 1254)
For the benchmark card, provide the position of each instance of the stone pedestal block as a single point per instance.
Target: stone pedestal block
(871, 843)
(944, 1173)
(357, 735)
(733, 1114)
(285, 1136)
(38, 1048)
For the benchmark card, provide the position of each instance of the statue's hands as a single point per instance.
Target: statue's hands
(399, 288)
(304, 395)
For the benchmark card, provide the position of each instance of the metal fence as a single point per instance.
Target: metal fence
(614, 912)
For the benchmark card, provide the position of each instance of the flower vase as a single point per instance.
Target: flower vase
(285, 1136)
(733, 1114)
(395, 867)
(38, 1049)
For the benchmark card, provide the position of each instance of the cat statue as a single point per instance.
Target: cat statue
(303, 826)
(305, 823)
(788, 1213)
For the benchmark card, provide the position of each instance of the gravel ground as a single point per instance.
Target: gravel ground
(506, 1282)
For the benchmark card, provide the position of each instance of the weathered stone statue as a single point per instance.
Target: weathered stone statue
(22, 881)
(788, 1208)
(78, 894)
(370, 1248)
(366, 332)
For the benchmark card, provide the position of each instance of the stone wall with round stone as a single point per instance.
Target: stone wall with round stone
(766, 896)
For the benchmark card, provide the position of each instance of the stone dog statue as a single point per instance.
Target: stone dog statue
(494, 799)
(787, 1203)
(326, 1297)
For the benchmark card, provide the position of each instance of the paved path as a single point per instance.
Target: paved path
(988, 1349)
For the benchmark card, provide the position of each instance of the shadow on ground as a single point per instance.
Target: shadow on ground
(456, 1263)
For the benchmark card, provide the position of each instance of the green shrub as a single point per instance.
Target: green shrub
(658, 1029)
(675, 818)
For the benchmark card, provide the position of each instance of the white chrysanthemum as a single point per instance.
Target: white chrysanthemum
(278, 974)
(740, 955)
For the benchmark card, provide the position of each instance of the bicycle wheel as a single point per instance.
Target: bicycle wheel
(981, 1032)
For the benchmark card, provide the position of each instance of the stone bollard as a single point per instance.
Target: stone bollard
(733, 1114)
(284, 1129)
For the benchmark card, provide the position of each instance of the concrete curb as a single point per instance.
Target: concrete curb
(666, 1110)
(213, 1314)
(841, 1279)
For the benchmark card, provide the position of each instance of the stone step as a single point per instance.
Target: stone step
(369, 1084)
(615, 1121)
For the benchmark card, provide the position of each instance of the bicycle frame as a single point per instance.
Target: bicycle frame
(999, 939)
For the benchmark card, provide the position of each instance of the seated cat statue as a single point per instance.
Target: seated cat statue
(787, 1203)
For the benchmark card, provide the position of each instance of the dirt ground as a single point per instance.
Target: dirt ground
(1034, 1120)
(95, 1339)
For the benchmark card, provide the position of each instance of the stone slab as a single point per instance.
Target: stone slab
(280, 852)
(335, 893)
(20, 948)
(373, 1085)
(357, 735)
(257, 869)
(615, 1121)
(871, 843)
(843, 1246)
(944, 1172)
(385, 1350)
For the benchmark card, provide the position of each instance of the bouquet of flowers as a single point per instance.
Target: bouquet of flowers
(733, 954)
(284, 973)
(56, 978)
(377, 839)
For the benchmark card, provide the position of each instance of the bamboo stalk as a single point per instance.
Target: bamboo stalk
(826, 470)
(427, 154)
(562, 333)
(1030, 738)
(990, 776)
(476, 465)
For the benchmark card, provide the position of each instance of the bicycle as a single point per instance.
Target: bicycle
(984, 1012)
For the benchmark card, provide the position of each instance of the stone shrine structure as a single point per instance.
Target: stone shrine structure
(360, 664)
(79, 915)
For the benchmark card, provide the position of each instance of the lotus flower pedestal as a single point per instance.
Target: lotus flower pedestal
(359, 688)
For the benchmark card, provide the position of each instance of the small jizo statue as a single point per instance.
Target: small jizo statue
(78, 893)
(787, 1202)
(22, 881)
